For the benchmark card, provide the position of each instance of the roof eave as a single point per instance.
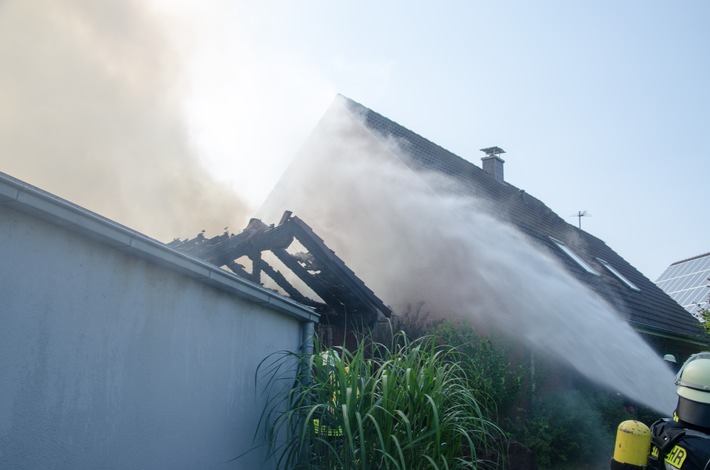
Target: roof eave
(645, 329)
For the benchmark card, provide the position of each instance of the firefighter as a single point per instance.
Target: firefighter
(326, 424)
(683, 442)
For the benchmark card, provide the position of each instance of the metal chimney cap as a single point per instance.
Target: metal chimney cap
(492, 151)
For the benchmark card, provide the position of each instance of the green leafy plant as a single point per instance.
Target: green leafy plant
(403, 406)
(494, 377)
(575, 428)
(704, 313)
(564, 430)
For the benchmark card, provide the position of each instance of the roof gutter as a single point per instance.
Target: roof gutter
(645, 329)
(26, 198)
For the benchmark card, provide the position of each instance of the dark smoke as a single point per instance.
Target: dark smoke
(90, 110)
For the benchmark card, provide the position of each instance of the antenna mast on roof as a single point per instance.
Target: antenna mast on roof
(579, 216)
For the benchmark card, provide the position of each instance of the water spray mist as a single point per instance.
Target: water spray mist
(411, 243)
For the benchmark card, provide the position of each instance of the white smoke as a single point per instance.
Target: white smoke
(92, 100)
(92, 97)
(411, 244)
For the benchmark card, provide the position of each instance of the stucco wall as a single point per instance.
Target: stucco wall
(108, 360)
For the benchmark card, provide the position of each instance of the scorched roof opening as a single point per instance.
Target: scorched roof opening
(575, 257)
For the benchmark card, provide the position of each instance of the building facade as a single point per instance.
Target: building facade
(117, 351)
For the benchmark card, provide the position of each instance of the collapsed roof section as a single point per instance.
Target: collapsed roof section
(344, 300)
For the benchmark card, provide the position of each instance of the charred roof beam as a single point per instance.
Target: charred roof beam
(280, 280)
(346, 298)
(313, 282)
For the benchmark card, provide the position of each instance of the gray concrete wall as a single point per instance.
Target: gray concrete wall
(127, 356)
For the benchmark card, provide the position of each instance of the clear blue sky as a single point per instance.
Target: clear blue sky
(601, 106)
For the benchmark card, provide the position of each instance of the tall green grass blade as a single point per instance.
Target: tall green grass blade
(403, 406)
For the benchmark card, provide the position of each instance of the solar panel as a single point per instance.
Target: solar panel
(687, 282)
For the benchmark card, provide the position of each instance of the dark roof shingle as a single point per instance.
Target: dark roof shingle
(649, 309)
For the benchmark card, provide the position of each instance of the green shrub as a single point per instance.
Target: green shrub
(494, 378)
(573, 428)
(406, 406)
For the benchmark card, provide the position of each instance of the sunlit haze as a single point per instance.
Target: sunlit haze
(177, 116)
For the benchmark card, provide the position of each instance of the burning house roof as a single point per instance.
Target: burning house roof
(343, 299)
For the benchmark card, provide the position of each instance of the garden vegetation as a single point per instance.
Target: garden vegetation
(449, 400)
(404, 406)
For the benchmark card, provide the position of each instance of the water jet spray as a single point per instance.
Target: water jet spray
(417, 235)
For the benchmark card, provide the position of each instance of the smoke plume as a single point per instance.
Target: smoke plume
(90, 110)
(412, 244)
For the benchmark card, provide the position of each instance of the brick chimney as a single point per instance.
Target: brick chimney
(492, 163)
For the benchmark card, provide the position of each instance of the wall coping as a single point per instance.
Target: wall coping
(36, 202)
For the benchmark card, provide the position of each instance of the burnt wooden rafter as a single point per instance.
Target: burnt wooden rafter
(337, 275)
(345, 298)
(279, 279)
(313, 282)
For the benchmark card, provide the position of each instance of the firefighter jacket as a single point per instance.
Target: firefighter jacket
(674, 446)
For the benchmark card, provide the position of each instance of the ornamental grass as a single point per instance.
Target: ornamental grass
(405, 406)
